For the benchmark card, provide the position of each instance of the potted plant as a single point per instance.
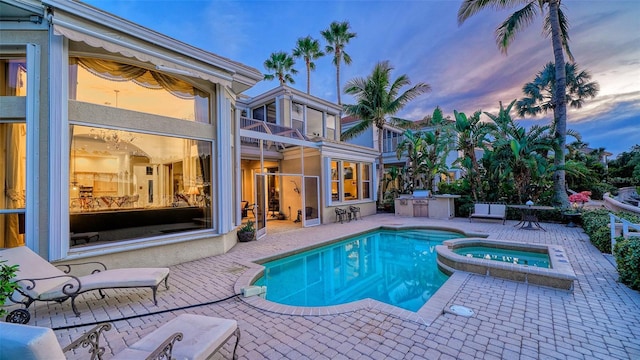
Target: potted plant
(247, 232)
(7, 285)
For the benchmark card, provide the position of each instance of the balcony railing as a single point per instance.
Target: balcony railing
(267, 128)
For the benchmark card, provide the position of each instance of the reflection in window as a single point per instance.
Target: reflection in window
(331, 127)
(297, 117)
(366, 181)
(13, 77)
(13, 153)
(128, 185)
(124, 86)
(314, 122)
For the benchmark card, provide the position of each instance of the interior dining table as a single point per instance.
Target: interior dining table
(529, 216)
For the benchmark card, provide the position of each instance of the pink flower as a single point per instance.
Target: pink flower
(581, 197)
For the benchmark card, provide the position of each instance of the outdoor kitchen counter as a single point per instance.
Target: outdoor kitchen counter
(435, 207)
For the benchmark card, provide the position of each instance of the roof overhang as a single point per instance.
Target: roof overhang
(81, 22)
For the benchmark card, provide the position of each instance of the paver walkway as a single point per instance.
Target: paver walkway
(600, 319)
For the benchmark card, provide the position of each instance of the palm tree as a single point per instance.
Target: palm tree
(337, 36)
(378, 98)
(540, 93)
(281, 64)
(556, 25)
(519, 155)
(472, 134)
(308, 49)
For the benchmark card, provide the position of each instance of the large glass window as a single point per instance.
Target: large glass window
(13, 154)
(124, 86)
(314, 122)
(353, 178)
(13, 77)
(128, 185)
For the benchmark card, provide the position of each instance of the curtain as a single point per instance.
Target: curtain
(114, 71)
(13, 144)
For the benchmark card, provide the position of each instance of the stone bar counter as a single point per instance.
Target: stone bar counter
(423, 204)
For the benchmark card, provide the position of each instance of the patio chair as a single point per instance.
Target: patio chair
(341, 215)
(354, 212)
(38, 280)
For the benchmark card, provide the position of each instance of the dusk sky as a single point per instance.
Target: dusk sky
(422, 39)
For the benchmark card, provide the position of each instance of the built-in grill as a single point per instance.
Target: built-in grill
(421, 202)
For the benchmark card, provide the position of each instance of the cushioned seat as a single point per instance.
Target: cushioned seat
(41, 281)
(202, 336)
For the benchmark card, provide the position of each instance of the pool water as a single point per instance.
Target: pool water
(528, 258)
(397, 267)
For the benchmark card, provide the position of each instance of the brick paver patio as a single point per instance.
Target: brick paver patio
(600, 319)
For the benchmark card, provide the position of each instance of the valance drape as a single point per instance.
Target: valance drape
(115, 71)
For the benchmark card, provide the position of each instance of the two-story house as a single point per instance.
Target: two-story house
(121, 143)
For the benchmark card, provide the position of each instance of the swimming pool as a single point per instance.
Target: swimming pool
(397, 267)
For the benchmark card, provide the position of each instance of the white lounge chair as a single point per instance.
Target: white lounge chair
(41, 281)
(186, 337)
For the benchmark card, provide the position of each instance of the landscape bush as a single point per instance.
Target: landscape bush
(627, 253)
(595, 224)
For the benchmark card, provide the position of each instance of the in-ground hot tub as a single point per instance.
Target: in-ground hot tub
(559, 274)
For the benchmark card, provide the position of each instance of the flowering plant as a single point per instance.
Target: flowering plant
(577, 200)
(581, 197)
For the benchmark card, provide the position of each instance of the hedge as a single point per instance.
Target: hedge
(627, 253)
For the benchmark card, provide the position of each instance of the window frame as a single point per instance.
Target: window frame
(60, 247)
(360, 182)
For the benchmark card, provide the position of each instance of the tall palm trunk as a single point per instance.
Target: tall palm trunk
(381, 165)
(338, 76)
(308, 77)
(560, 110)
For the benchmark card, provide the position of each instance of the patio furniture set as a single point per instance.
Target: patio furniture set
(349, 214)
(186, 336)
(528, 214)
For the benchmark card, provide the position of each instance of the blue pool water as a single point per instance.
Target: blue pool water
(397, 267)
(511, 256)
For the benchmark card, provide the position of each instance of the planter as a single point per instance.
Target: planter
(245, 236)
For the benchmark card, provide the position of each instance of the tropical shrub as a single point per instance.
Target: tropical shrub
(7, 285)
(595, 224)
(627, 253)
(598, 190)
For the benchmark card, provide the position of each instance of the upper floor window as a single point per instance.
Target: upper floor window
(331, 127)
(13, 77)
(265, 113)
(130, 87)
(391, 140)
(314, 122)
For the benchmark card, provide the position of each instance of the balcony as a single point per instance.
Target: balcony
(268, 128)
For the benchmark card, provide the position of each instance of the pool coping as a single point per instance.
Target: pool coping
(560, 275)
(428, 313)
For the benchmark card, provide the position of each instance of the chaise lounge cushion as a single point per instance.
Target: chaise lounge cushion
(116, 278)
(33, 266)
(202, 335)
(26, 342)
